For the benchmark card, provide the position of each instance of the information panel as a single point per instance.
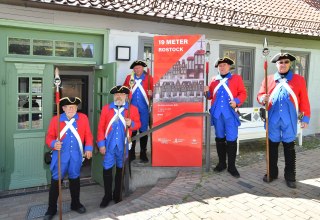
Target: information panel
(179, 63)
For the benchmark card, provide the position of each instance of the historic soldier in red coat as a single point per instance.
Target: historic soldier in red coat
(141, 95)
(287, 101)
(227, 93)
(76, 141)
(111, 139)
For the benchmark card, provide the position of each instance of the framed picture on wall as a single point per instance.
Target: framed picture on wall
(123, 53)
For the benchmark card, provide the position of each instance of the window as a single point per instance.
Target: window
(19, 46)
(64, 49)
(244, 63)
(84, 50)
(30, 91)
(301, 64)
(42, 47)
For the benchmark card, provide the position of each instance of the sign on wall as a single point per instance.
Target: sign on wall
(179, 63)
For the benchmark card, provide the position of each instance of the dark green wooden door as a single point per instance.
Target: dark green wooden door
(105, 79)
(28, 111)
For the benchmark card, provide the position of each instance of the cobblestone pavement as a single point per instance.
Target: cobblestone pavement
(195, 194)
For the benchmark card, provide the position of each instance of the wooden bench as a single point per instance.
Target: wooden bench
(252, 126)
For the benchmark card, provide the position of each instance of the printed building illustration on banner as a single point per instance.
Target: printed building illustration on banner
(185, 80)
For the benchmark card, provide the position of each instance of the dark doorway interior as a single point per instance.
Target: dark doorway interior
(75, 83)
(75, 86)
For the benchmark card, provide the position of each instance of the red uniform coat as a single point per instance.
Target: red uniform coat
(107, 114)
(298, 85)
(83, 130)
(236, 86)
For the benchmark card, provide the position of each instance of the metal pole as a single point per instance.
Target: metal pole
(149, 98)
(207, 119)
(124, 151)
(207, 137)
(265, 53)
(57, 82)
(131, 83)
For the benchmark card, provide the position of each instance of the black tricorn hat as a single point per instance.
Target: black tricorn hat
(70, 101)
(223, 60)
(138, 62)
(120, 89)
(281, 56)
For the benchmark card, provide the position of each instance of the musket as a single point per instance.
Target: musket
(127, 137)
(265, 53)
(57, 82)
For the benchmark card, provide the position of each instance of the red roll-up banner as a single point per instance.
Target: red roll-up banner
(179, 68)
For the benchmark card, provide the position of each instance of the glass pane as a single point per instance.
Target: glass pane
(23, 121)
(36, 86)
(64, 49)
(36, 120)
(84, 50)
(42, 47)
(240, 70)
(37, 103)
(246, 73)
(147, 56)
(23, 86)
(247, 58)
(19, 46)
(23, 103)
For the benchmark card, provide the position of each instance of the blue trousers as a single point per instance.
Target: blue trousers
(226, 127)
(144, 119)
(72, 167)
(281, 132)
(113, 156)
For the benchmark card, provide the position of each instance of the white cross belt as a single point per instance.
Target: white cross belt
(138, 85)
(283, 83)
(223, 83)
(73, 131)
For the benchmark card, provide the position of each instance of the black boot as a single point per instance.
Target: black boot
(221, 151)
(53, 198)
(143, 149)
(273, 162)
(132, 151)
(232, 153)
(74, 186)
(290, 164)
(107, 181)
(117, 185)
